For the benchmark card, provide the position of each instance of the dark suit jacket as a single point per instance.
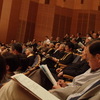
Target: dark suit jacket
(58, 54)
(30, 60)
(50, 63)
(50, 51)
(76, 68)
(79, 39)
(67, 60)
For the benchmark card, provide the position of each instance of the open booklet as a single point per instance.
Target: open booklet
(33, 88)
(81, 44)
(48, 74)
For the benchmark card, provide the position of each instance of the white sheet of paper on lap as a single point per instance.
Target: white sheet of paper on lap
(48, 74)
(33, 88)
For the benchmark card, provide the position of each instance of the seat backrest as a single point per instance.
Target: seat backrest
(34, 66)
(76, 59)
(36, 61)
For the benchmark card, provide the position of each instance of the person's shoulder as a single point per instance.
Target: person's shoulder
(13, 90)
(94, 92)
(96, 96)
(8, 90)
(10, 86)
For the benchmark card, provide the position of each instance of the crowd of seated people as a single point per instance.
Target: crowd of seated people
(76, 68)
(92, 54)
(55, 53)
(58, 56)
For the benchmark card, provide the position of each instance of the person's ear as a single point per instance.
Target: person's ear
(98, 57)
(7, 67)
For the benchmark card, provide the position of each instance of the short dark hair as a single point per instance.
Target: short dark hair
(2, 67)
(70, 45)
(12, 61)
(94, 47)
(17, 47)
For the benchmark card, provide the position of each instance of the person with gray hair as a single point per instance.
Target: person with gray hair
(30, 56)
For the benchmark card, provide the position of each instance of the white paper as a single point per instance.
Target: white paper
(48, 74)
(35, 88)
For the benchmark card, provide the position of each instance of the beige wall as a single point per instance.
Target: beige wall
(44, 22)
(4, 22)
(1, 3)
(66, 3)
(13, 27)
(24, 20)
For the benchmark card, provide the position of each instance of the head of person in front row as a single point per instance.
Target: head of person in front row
(93, 55)
(16, 49)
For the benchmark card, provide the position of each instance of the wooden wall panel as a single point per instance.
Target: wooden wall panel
(92, 19)
(4, 22)
(31, 21)
(44, 22)
(21, 30)
(33, 7)
(1, 3)
(13, 21)
(97, 22)
(56, 26)
(82, 23)
(62, 22)
(79, 23)
(27, 19)
(62, 26)
(68, 25)
(30, 27)
(23, 19)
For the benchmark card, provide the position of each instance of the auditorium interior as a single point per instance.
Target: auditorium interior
(49, 49)
(23, 20)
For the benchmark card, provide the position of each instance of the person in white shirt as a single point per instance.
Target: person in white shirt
(47, 40)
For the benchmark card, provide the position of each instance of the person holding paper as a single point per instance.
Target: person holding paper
(83, 80)
(75, 69)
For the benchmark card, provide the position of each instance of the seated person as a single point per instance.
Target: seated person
(30, 56)
(12, 63)
(12, 90)
(64, 61)
(58, 53)
(81, 79)
(50, 49)
(16, 49)
(93, 57)
(75, 68)
(67, 58)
